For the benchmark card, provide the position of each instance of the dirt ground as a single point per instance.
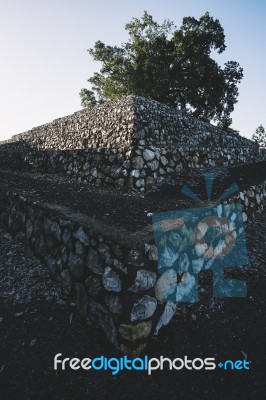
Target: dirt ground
(36, 324)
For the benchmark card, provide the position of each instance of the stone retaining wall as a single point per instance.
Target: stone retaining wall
(140, 168)
(111, 274)
(101, 166)
(153, 166)
(105, 271)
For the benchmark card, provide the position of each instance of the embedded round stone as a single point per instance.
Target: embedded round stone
(111, 280)
(166, 285)
(144, 308)
(145, 280)
(131, 333)
(148, 155)
(82, 237)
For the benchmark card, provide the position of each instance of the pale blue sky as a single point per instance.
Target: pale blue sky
(44, 62)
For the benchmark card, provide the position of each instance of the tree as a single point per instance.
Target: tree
(260, 136)
(170, 65)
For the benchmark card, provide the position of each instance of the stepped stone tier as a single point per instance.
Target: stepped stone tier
(132, 143)
(108, 264)
(98, 242)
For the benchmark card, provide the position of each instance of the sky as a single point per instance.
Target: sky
(45, 63)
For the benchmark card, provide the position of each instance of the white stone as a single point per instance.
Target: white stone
(183, 263)
(140, 182)
(166, 284)
(233, 217)
(144, 308)
(219, 210)
(94, 172)
(148, 155)
(245, 217)
(197, 265)
(82, 237)
(241, 196)
(200, 249)
(145, 280)
(135, 173)
(209, 264)
(184, 288)
(167, 315)
(168, 257)
(153, 165)
(164, 160)
(138, 162)
(111, 280)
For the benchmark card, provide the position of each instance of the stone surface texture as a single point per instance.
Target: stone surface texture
(131, 143)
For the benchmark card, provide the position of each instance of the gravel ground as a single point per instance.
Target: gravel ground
(24, 278)
(35, 324)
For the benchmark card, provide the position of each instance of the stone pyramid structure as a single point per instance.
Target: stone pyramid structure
(133, 144)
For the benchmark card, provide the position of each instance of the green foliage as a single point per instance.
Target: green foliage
(170, 65)
(260, 136)
(87, 98)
